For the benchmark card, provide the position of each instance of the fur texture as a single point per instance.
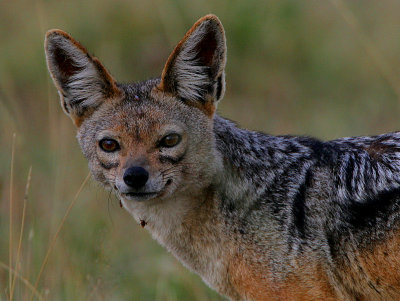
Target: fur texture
(258, 217)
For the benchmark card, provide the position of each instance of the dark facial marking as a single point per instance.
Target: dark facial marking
(108, 165)
(169, 159)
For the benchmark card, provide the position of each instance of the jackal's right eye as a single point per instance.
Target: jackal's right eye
(170, 140)
(109, 145)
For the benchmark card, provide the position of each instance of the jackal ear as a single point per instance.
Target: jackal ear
(82, 81)
(195, 69)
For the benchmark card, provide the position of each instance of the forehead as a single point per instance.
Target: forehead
(140, 113)
(140, 116)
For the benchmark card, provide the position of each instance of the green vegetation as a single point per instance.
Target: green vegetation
(322, 68)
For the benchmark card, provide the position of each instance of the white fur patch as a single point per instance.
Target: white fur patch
(85, 87)
(192, 77)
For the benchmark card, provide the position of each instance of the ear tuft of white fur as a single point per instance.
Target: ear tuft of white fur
(192, 76)
(81, 80)
(195, 69)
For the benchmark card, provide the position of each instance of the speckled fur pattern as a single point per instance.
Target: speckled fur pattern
(258, 217)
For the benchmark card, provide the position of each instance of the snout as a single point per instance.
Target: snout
(137, 184)
(136, 177)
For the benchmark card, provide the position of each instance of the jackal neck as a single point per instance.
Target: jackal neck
(192, 229)
(250, 159)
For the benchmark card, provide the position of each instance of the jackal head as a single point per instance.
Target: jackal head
(150, 139)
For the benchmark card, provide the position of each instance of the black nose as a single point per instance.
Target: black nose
(136, 177)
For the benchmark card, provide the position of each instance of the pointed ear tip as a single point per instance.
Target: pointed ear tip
(57, 38)
(210, 17)
(56, 32)
(212, 20)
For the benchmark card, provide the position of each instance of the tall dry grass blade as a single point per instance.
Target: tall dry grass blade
(379, 60)
(53, 242)
(94, 290)
(10, 248)
(23, 279)
(28, 183)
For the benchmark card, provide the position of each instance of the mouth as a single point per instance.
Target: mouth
(142, 196)
(139, 196)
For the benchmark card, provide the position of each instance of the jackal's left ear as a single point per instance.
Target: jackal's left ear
(194, 71)
(82, 81)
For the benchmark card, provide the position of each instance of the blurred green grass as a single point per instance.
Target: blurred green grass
(293, 68)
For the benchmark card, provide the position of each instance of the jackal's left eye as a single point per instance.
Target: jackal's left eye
(109, 145)
(170, 140)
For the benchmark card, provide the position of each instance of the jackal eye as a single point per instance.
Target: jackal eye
(170, 140)
(109, 145)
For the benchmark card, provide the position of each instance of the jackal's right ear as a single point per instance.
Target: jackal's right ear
(194, 71)
(82, 81)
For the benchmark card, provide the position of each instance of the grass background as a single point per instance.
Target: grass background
(321, 68)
